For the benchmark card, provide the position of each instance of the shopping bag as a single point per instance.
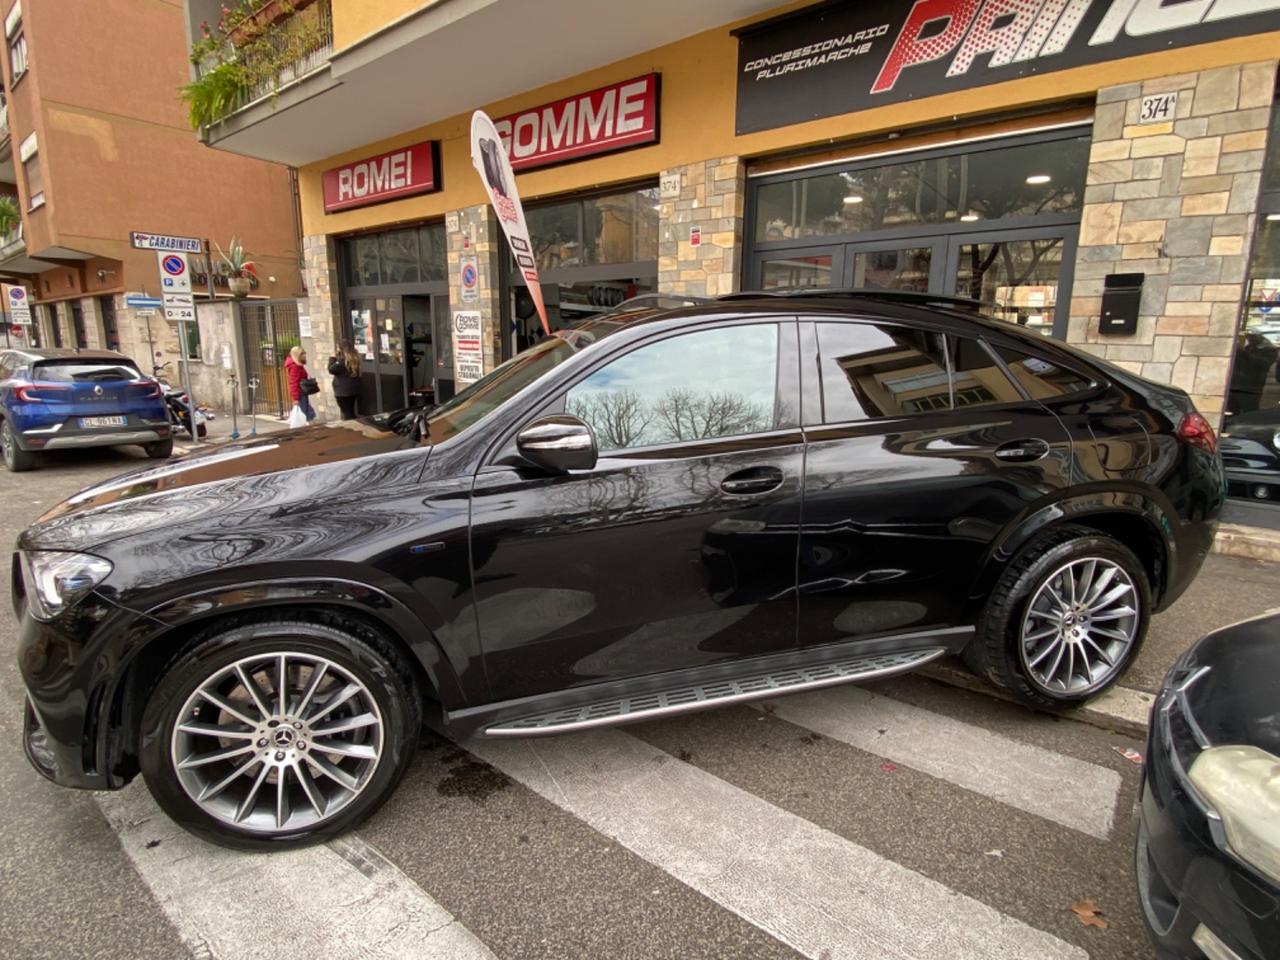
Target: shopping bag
(297, 418)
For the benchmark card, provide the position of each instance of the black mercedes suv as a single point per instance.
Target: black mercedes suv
(658, 510)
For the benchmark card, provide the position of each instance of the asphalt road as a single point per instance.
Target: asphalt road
(901, 819)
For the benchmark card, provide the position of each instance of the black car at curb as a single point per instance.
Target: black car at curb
(658, 510)
(1208, 882)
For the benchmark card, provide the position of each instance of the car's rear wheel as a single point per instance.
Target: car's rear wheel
(1065, 619)
(279, 733)
(16, 460)
(159, 449)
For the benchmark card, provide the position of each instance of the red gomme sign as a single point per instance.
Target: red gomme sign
(611, 118)
(389, 176)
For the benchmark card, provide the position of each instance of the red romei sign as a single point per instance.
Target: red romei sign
(389, 176)
(612, 118)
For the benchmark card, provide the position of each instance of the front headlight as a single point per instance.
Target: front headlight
(56, 579)
(1242, 785)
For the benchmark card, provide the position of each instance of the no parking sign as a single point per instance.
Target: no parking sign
(470, 271)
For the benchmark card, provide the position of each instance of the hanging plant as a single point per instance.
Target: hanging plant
(10, 216)
(215, 94)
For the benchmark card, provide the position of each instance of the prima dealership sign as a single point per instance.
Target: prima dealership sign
(388, 176)
(615, 117)
(848, 55)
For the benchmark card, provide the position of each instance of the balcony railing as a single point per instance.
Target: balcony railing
(4, 122)
(276, 45)
(12, 243)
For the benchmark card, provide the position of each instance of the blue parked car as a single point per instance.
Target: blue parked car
(64, 399)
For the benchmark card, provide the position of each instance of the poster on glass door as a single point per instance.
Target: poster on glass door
(468, 353)
(490, 160)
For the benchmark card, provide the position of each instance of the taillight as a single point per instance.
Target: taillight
(147, 391)
(1195, 430)
(41, 392)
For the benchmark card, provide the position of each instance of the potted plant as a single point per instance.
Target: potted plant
(259, 17)
(240, 269)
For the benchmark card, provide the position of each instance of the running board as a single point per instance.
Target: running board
(664, 703)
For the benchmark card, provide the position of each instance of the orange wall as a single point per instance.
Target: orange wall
(116, 149)
(697, 119)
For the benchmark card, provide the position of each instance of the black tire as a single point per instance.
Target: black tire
(16, 460)
(160, 449)
(370, 660)
(995, 652)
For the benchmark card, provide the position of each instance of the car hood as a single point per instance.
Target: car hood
(1237, 699)
(261, 473)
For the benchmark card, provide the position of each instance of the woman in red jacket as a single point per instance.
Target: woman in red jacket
(295, 371)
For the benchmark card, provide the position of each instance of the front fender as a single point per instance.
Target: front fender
(227, 599)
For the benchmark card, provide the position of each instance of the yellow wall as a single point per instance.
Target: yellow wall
(355, 19)
(696, 113)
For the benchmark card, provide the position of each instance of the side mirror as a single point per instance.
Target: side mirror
(558, 443)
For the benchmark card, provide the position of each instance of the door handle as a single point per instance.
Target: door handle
(1022, 451)
(752, 480)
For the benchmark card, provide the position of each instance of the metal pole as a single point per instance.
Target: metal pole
(186, 379)
(253, 407)
(235, 405)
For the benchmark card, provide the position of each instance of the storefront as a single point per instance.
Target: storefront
(397, 316)
(1033, 157)
(995, 220)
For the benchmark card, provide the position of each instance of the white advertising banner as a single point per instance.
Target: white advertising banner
(489, 157)
(468, 352)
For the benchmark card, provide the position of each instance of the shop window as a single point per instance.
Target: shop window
(796, 272)
(433, 254)
(556, 235)
(399, 250)
(1000, 182)
(366, 270)
(1015, 280)
(1271, 170)
(716, 383)
(881, 370)
(621, 228)
(110, 327)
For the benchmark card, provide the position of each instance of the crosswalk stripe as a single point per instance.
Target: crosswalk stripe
(342, 900)
(814, 890)
(1070, 792)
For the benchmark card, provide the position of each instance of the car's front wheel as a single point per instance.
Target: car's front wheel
(279, 733)
(1065, 619)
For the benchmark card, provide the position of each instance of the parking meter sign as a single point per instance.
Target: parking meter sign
(175, 274)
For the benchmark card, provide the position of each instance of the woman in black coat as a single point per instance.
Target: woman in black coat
(344, 367)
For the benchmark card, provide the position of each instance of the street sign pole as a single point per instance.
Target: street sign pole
(179, 305)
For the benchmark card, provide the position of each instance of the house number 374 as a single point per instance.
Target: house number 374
(1158, 108)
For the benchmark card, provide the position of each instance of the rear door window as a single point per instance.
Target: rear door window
(872, 370)
(1043, 379)
(82, 371)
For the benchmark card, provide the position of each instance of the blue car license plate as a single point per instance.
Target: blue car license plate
(88, 423)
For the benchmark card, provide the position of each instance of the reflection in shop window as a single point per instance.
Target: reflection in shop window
(400, 256)
(1015, 280)
(796, 272)
(717, 383)
(1000, 182)
(1250, 441)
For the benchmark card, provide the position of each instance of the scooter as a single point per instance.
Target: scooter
(176, 401)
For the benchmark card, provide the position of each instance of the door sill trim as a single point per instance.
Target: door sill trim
(697, 696)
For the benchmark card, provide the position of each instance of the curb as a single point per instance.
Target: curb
(1120, 710)
(1253, 543)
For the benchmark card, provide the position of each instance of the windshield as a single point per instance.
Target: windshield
(490, 392)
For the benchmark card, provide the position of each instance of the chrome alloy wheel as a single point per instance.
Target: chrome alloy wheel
(277, 742)
(1079, 626)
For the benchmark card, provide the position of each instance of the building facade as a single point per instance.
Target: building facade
(98, 144)
(1100, 171)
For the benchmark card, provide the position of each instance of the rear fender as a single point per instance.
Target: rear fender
(1120, 513)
